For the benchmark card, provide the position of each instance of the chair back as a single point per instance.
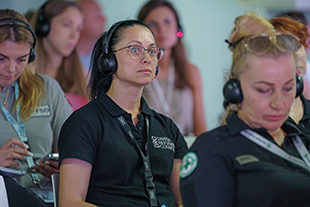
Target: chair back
(3, 195)
(55, 184)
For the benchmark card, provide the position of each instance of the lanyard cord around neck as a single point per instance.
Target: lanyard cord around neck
(20, 130)
(150, 186)
(270, 146)
(165, 101)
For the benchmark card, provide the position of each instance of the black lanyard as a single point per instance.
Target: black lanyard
(150, 186)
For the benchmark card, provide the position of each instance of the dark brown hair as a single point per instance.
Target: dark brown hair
(178, 52)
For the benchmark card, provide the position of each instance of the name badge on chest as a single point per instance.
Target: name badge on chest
(43, 110)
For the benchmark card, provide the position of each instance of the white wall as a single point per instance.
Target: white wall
(206, 24)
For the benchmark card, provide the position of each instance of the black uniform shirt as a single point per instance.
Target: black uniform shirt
(93, 134)
(304, 123)
(225, 169)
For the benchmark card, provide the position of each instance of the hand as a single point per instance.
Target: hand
(13, 149)
(47, 168)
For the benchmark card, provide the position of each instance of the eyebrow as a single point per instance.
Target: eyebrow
(140, 43)
(23, 56)
(271, 84)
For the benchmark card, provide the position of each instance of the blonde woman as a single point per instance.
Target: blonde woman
(253, 160)
(33, 106)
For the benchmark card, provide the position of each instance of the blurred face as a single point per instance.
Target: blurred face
(308, 40)
(94, 20)
(269, 88)
(13, 60)
(164, 25)
(301, 61)
(64, 32)
(141, 71)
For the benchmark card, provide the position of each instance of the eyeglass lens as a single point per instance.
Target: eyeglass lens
(137, 52)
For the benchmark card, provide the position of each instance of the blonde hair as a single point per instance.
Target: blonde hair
(248, 25)
(31, 85)
(70, 73)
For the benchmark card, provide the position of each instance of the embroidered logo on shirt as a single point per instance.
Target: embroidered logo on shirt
(43, 110)
(189, 164)
(245, 159)
(163, 143)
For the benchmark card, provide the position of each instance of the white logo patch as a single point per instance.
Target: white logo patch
(43, 110)
(189, 164)
(163, 143)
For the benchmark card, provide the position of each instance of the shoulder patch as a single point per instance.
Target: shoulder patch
(245, 159)
(189, 164)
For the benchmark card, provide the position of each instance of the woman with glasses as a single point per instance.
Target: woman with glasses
(252, 160)
(116, 151)
(300, 110)
(177, 90)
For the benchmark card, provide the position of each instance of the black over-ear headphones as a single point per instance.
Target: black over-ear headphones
(107, 61)
(233, 93)
(10, 22)
(42, 27)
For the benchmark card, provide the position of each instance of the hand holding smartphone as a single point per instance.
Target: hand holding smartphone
(51, 156)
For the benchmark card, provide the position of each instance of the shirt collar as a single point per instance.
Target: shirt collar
(306, 104)
(236, 125)
(115, 110)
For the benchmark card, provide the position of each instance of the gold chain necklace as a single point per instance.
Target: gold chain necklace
(6, 98)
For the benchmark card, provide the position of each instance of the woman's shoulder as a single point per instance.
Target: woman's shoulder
(49, 81)
(214, 140)
(194, 76)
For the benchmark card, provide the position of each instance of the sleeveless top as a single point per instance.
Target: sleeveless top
(163, 97)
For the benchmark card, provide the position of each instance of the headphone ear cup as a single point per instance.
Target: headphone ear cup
(32, 55)
(232, 92)
(299, 86)
(42, 28)
(107, 63)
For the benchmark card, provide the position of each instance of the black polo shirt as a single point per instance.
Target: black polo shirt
(304, 123)
(223, 169)
(94, 134)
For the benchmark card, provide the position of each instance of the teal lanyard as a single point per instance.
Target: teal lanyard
(271, 147)
(20, 129)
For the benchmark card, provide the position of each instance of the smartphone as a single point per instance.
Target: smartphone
(51, 156)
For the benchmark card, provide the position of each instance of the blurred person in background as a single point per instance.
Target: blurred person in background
(177, 89)
(300, 110)
(93, 27)
(58, 24)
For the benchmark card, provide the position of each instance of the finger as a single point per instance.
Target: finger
(53, 163)
(38, 168)
(12, 142)
(48, 167)
(10, 163)
(45, 169)
(21, 151)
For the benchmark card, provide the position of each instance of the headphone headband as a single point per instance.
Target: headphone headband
(10, 21)
(110, 35)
